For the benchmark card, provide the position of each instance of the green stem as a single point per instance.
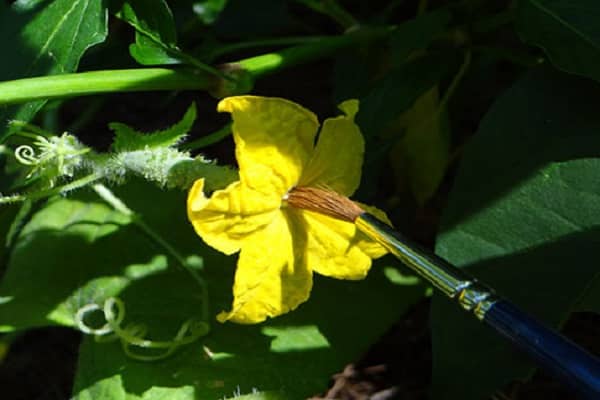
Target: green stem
(146, 79)
(273, 62)
(34, 131)
(285, 41)
(85, 83)
(76, 184)
(456, 80)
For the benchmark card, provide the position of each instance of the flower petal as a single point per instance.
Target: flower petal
(230, 215)
(337, 160)
(336, 248)
(274, 139)
(272, 277)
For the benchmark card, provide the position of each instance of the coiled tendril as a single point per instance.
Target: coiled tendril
(26, 155)
(133, 335)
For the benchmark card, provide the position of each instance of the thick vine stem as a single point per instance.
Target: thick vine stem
(147, 79)
(108, 81)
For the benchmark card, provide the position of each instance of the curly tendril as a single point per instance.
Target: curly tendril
(26, 155)
(133, 335)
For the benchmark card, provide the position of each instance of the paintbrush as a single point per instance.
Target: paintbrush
(550, 350)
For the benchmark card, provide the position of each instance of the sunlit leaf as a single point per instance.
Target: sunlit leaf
(45, 38)
(523, 216)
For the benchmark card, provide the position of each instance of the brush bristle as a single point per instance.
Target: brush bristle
(324, 201)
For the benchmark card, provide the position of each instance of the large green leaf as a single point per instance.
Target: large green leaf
(385, 104)
(524, 217)
(568, 31)
(78, 251)
(591, 299)
(155, 33)
(417, 34)
(153, 18)
(45, 38)
(412, 36)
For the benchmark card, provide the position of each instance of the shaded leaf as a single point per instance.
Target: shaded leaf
(152, 18)
(386, 102)
(590, 301)
(208, 10)
(40, 284)
(398, 91)
(147, 52)
(522, 216)
(45, 38)
(155, 31)
(128, 139)
(568, 31)
(420, 157)
(417, 34)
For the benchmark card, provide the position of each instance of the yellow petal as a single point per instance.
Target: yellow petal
(274, 139)
(272, 277)
(337, 160)
(336, 248)
(230, 215)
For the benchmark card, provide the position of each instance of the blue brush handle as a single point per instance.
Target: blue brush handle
(549, 350)
(554, 352)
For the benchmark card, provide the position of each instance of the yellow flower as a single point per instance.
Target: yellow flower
(280, 246)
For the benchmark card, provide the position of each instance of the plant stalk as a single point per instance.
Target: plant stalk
(150, 79)
(107, 81)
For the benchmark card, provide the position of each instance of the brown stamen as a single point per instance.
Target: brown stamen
(325, 202)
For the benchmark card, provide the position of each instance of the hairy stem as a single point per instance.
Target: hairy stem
(76, 184)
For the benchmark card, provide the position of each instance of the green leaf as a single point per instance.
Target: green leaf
(420, 157)
(146, 52)
(398, 91)
(41, 286)
(417, 34)
(568, 31)
(76, 252)
(45, 38)
(386, 103)
(152, 18)
(128, 139)
(155, 36)
(208, 10)
(590, 301)
(523, 217)
(293, 355)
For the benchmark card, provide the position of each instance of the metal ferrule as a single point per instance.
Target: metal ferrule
(453, 282)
